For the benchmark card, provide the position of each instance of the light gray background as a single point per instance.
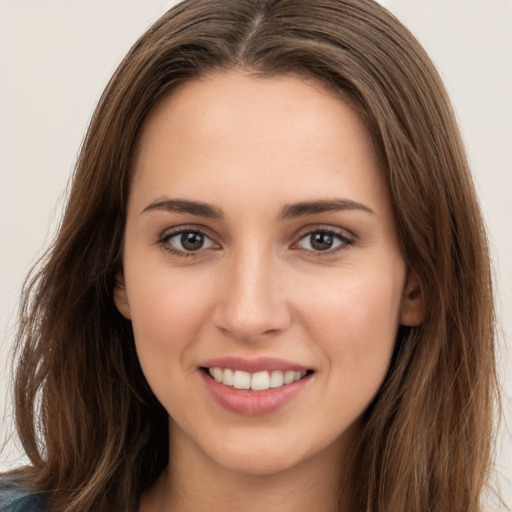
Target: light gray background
(57, 55)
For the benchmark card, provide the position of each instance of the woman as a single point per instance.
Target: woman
(271, 285)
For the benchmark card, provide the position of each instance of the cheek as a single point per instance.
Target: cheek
(167, 318)
(354, 326)
(366, 303)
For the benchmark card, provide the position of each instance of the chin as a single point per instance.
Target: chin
(258, 463)
(265, 453)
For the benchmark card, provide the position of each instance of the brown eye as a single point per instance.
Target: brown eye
(184, 242)
(192, 241)
(323, 241)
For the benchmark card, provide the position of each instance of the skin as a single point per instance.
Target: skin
(258, 287)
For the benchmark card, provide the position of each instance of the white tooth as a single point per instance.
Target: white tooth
(217, 374)
(210, 371)
(227, 379)
(276, 379)
(297, 376)
(241, 380)
(260, 381)
(289, 377)
(303, 373)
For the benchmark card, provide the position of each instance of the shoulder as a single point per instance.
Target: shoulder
(14, 498)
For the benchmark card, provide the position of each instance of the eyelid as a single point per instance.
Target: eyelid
(163, 239)
(346, 237)
(326, 228)
(343, 235)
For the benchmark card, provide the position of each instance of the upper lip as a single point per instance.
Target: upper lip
(253, 365)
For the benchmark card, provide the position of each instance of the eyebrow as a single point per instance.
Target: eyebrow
(301, 209)
(314, 207)
(185, 206)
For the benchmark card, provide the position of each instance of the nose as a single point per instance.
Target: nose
(252, 305)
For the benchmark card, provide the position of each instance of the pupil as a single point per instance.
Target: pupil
(192, 241)
(321, 241)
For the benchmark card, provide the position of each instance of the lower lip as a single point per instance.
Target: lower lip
(253, 403)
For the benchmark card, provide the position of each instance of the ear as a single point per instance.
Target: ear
(121, 297)
(413, 303)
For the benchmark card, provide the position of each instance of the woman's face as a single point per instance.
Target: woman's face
(260, 247)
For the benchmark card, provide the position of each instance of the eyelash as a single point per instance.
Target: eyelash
(163, 241)
(344, 240)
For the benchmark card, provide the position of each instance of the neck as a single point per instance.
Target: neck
(194, 482)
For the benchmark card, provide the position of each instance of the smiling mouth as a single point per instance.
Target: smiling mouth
(258, 381)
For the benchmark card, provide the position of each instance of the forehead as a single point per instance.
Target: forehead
(219, 96)
(234, 129)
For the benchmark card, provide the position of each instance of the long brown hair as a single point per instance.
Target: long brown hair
(94, 432)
